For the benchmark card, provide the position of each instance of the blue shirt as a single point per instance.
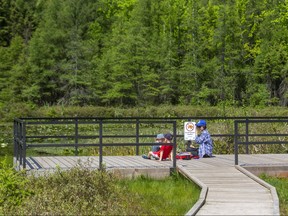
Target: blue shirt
(205, 143)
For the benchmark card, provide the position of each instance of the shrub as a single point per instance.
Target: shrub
(79, 191)
(13, 186)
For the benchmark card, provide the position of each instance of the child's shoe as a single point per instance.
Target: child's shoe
(145, 157)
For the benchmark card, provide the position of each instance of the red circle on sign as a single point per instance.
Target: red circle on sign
(189, 127)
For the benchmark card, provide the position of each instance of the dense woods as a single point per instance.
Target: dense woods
(144, 52)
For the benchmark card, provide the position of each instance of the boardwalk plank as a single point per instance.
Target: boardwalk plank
(63, 163)
(43, 162)
(236, 209)
(33, 164)
(238, 190)
(231, 196)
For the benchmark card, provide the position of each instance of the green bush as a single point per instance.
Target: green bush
(79, 191)
(13, 187)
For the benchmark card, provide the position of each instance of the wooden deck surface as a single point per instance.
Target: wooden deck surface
(230, 190)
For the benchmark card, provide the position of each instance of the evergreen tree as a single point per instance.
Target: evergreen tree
(4, 23)
(59, 52)
(144, 52)
(9, 58)
(272, 62)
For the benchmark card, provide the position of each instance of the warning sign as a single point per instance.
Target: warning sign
(189, 131)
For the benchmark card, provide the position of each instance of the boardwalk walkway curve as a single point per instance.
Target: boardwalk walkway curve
(240, 193)
(232, 190)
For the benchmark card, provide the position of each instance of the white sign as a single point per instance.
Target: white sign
(189, 130)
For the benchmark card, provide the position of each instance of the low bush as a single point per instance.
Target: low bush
(78, 191)
(81, 191)
(13, 187)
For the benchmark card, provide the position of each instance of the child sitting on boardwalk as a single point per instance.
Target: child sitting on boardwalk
(165, 150)
(204, 140)
(159, 139)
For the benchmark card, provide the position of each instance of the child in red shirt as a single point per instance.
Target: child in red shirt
(164, 152)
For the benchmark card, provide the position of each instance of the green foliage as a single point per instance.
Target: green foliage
(81, 191)
(9, 56)
(173, 196)
(4, 23)
(143, 52)
(259, 96)
(78, 191)
(13, 187)
(281, 185)
(15, 110)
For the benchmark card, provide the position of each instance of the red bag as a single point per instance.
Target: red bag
(184, 156)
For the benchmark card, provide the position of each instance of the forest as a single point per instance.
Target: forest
(131, 53)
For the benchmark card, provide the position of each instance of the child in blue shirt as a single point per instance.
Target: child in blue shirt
(204, 140)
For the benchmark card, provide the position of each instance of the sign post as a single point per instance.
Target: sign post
(189, 131)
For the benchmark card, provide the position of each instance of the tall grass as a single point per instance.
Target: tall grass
(11, 111)
(281, 185)
(172, 196)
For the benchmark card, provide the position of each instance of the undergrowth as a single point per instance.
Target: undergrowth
(11, 111)
(81, 191)
(172, 196)
(281, 185)
(13, 186)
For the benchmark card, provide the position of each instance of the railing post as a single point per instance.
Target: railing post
(15, 157)
(247, 135)
(137, 136)
(76, 137)
(20, 144)
(100, 144)
(189, 141)
(236, 142)
(24, 145)
(174, 145)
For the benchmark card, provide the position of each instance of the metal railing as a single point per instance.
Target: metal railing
(245, 137)
(24, 139)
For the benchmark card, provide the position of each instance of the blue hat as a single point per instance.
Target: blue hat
(160, 136)
(201, 123)
(168, 136)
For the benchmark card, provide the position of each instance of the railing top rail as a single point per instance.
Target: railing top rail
(152, 118)
(262, 120)
(96, 122)
(19, 120)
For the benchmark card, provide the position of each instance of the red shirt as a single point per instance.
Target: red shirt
(166, 151)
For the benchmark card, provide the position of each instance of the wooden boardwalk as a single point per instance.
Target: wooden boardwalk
(226, 189)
